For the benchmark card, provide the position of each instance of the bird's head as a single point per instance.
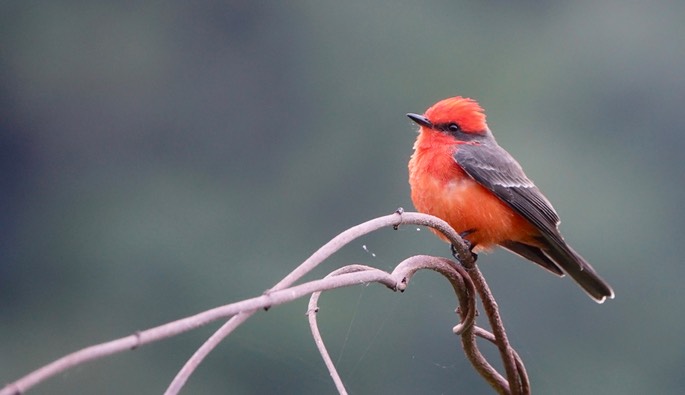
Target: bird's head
(458, 117)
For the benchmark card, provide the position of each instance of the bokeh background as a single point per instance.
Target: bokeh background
(163, 158)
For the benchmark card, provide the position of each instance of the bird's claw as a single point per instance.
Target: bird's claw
(470, 246)
(455, 252)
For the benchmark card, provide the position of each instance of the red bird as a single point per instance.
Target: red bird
(459, 173)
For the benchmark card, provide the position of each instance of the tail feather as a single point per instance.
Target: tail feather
(533, 254)
(580, 270)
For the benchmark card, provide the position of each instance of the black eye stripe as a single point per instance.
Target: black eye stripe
(453, 129)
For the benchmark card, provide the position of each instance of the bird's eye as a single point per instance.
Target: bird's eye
(453, 127)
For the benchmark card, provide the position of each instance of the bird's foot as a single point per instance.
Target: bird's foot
(455, 252)
(469, 245)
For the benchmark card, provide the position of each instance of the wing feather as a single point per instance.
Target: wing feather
(495, 169)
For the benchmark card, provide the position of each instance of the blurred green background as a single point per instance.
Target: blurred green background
(163, 158)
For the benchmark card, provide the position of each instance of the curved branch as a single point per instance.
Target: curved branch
(514, 379)
(399, 217)
(312, 309)
(186, 324)
(404, 271)
(465, 290)
(517, 380)
(525, 384)
(281, 293)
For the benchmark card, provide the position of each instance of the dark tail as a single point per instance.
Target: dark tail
(582, 272)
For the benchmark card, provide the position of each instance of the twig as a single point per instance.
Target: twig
(186, 324)
(525, 384)
(395, 220)
(284, 292)
(194, 361)
(515, 383)
(312, 309)
(402, 274)
(506, 352)
(482, 366)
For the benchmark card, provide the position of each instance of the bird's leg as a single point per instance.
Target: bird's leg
(468, 243)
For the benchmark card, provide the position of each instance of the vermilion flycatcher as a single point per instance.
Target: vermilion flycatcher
(459, 173)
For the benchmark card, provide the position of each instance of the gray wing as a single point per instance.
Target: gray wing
(495, 169)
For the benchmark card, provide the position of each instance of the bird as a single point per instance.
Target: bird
(460, 174)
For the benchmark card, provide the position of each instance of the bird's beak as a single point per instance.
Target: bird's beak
(421, 120)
